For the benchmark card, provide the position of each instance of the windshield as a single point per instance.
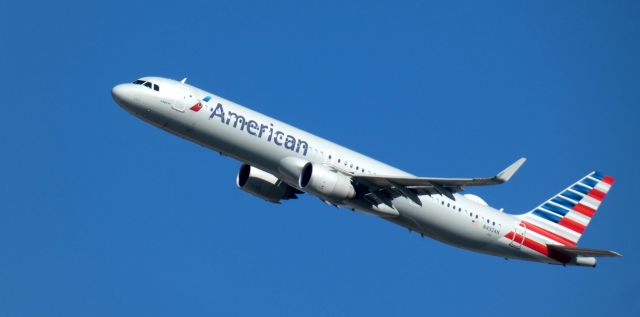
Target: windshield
(147, 84)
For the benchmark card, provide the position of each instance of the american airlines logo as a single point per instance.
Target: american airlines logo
(256, 129)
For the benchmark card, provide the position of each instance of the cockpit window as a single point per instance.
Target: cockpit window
(147, 84)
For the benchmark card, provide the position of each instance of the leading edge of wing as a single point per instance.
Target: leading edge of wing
(383, 181)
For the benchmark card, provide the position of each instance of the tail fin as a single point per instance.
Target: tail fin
(563, 218)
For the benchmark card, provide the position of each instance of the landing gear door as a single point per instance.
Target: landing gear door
(182, 97)
(520, 232)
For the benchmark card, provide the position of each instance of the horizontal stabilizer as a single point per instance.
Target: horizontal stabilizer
(574, 251)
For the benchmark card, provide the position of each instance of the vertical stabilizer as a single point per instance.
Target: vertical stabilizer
(563, 218)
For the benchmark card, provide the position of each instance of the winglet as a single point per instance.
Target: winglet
(508, 172)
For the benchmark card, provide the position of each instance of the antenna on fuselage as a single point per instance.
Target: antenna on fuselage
(184, 80)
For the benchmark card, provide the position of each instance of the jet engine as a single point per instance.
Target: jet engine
(330, 185)
(264, 185)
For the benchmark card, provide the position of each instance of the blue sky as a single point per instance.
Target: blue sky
(103, 215)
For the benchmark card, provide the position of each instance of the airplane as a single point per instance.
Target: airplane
(281, 162)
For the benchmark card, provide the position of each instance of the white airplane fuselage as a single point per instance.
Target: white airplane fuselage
(265, 143)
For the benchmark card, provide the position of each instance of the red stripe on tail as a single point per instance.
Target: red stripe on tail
(538, 247)
(585, 210)
(568, 223)
(548, 234)
(596, 194)
(609, 180)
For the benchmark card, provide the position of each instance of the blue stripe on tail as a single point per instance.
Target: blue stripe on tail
(556, 209)
(589, 182)
(561, 201)
(572, 195)
(580, 188)
(546, 215)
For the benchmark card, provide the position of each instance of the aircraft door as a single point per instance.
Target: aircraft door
(182, 97)
(520, 232)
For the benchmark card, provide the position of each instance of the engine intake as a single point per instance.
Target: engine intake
(328, 184)
(264, 185)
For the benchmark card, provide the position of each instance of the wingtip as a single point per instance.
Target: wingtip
(508, 172)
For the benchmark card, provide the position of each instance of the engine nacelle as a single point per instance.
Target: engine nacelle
(328, 184)
(264, 185)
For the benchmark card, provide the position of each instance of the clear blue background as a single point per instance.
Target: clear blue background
(103, 215)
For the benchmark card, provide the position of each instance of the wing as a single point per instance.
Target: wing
(444, 186)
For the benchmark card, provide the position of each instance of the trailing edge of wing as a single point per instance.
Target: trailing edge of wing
(574, 251)
(453, 184)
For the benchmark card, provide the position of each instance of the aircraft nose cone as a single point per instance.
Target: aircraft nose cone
(126, 96)
(119, 94)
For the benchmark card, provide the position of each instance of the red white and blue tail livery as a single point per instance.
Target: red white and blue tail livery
(564, 218)
(554, 227)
